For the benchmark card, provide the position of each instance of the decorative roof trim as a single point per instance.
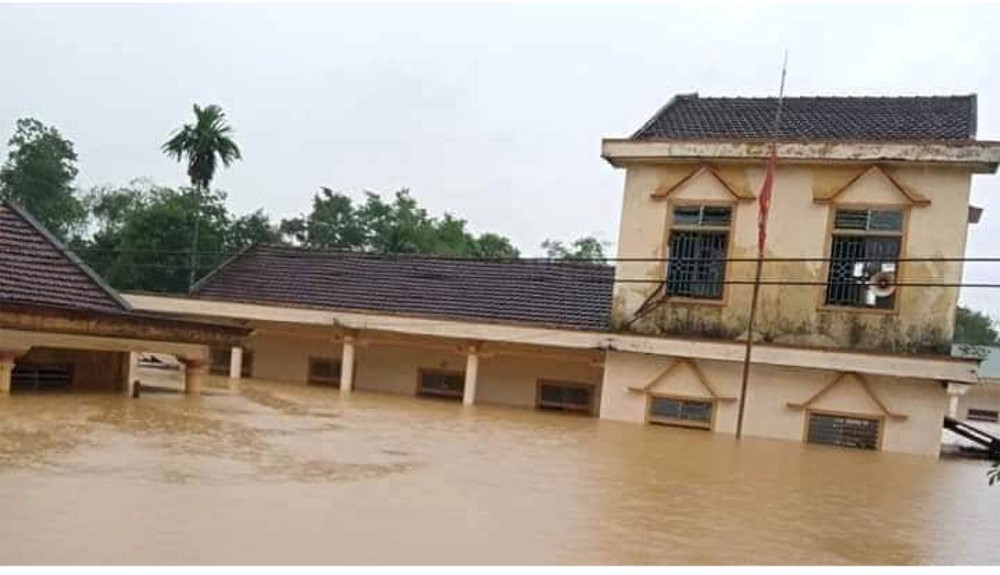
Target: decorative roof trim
(67, 253)
(862, 381)
(664, 191)
(698, 373)
(913, 196)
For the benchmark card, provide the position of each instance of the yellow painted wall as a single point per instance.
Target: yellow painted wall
(798, 227)
(983, 396)
(392, 368)
(770, 389)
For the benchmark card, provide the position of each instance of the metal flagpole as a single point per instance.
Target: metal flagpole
(759, 267)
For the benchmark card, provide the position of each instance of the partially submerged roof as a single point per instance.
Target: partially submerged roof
(39, 270)
(40, 275)
(558, 294)
(989, 366)
(915, 118)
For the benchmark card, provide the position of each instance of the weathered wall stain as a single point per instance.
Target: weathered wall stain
(922, 321)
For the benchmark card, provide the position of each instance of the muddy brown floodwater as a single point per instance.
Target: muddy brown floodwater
(285, 474)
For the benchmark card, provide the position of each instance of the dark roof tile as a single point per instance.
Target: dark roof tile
(37, 269)
(573, 295)
(815, 118)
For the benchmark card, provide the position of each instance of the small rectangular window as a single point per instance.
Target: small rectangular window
(844, 431)
(436, 383)
(684, 412)
(864, 257)
(41, 376)
(324, 371)
(698, 244)
(565, 396)
(983, 415)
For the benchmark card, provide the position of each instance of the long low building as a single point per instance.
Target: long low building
(535, 334)
(62, 327)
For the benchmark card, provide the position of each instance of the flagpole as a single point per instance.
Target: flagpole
(759, 264)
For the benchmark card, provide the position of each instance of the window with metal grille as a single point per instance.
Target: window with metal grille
(983, 415)
(436, 383)
(677, 411)
(565, 396)
(699, 236)
(324, 371)
(844, 431)
(41, 376)
(220, 357)
(865, 249)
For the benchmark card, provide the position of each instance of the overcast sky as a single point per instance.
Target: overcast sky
(492, 112)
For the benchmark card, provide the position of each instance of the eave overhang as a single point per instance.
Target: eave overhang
(980, 157)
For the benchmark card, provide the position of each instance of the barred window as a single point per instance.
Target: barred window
(437, 383)
(699, 236)
(855, 432)
(565, 396)
(684, 412)
(864, 252)
(324, 371)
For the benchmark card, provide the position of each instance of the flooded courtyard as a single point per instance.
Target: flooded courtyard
(288, 474)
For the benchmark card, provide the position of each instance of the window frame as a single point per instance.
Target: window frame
(879, 419)
(669, 228)
(687, 424)
(987, 415)
(68, 366)
(591, 406)
(903, 236)
(333, 381)
(421, 371)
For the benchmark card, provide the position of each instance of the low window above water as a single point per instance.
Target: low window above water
(844, 431)
(437, 383)
(679, 411)
(565, 396)
(324, 371)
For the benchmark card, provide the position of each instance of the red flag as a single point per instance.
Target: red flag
(764, 200)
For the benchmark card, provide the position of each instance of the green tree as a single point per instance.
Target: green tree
(39, 174)
(974, 328)
(203, 145)
(142, 234)
(397, 227)
(587, 248)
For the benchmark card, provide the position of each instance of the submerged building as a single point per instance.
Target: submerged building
(853, 336)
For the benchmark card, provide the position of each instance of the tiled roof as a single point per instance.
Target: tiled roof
(37, 269)
(817, 118)
(572, 295)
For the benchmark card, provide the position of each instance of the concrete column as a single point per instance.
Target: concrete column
(195, 372)
(347, 365)
(955, 391)
(236, 363)
(131, 372)
(6, 368)
(471, 375)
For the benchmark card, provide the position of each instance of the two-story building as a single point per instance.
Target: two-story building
(866, 235)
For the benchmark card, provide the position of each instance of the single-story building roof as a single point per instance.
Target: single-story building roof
(542, 292)
(918, 118)
(42, 278)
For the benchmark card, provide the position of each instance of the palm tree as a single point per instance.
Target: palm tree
(204, 144)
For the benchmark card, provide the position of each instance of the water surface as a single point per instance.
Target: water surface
(286, 474)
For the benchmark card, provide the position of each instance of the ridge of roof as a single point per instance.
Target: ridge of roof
(818, 117)
(68, 254)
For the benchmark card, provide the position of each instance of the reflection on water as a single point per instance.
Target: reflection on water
(279, 473)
